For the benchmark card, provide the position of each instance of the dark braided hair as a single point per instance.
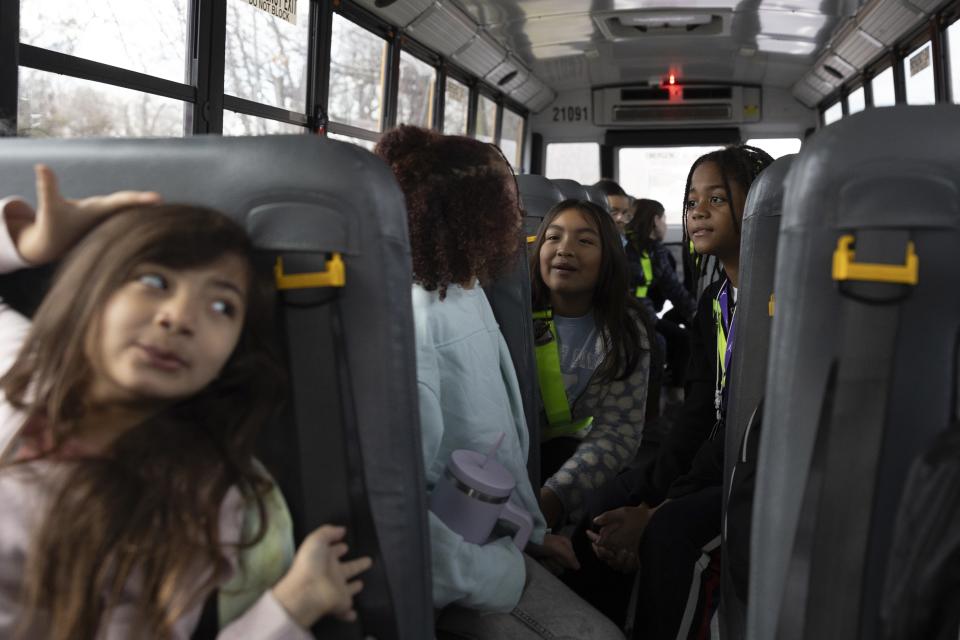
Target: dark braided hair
(740, 163)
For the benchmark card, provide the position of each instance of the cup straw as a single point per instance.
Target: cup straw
(493, 450)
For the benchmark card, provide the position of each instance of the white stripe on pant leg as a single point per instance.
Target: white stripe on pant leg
(694, 595)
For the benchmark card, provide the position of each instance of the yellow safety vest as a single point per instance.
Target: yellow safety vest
(647, 266)
(552, 390)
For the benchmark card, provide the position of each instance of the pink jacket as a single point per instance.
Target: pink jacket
(27, 488)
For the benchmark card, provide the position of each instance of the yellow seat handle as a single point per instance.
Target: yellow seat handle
(771, 305)
(845, 266)
(334, 276)
(531, 239)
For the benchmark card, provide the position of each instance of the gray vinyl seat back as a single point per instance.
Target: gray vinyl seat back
(571, 189)
(597, 197)
(313, 197)
(509, 296)
(538, 195)
(861, 373)
(758, 252)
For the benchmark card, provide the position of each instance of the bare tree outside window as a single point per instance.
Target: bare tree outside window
(356, 75)
(266, 56)
(511, 138)
(141, 35)
(242, 124)
(486, 119)
(415, 96)
(266, 61)
(455, 106)
(148, 37)
(55, 106)
(366, 144)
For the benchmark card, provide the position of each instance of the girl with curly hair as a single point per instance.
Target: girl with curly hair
(593, 356)
(128, 418)
(465, 222)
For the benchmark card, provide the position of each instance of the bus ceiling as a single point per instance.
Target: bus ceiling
(533, 50)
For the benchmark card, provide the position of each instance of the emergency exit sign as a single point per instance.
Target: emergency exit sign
(283, 9)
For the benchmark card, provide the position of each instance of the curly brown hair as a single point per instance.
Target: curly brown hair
(462, 205)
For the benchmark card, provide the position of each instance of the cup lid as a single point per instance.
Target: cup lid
(491, 478)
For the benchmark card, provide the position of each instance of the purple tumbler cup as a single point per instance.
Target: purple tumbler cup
(473, 494)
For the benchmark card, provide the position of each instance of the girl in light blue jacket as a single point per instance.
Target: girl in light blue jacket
(464, 221)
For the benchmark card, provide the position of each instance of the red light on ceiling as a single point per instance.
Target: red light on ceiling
(672, 80)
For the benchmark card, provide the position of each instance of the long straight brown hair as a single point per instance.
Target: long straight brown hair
(612, 306)
(146, 510)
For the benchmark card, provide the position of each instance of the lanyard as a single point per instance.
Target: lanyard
(724, 317)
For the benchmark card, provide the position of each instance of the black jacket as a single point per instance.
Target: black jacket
(688, 440)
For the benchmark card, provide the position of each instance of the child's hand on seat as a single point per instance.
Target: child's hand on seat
(556, 553)
(46, 234)
(619, 537)
(320, 582)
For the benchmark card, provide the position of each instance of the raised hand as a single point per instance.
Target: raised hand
(320, 582)
(46, 234)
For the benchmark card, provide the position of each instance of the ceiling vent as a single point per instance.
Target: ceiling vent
(677, 114)
(887, 21)
(806, 94)
(400, 13)
(525, 92)
(443, 28)
(642, 24)
(481, 55)
(677, 106)
(542, 100)
(508, 75)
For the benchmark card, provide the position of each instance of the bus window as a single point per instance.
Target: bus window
(456, 103)
(659, 173)
(856, 101)
(356, 75)
(266, 56)
(578, 161)
(882, 86)
(418, 82)
(833, 113)
(918, 71)
(140, 35)
(243, 124)
(776, 147)
(953, 56)
(360, 142)
(486, 119)
(58, 106)
(511, 139)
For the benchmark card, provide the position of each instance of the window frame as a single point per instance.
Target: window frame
(462, 78)
(413, 48)
(934, 30)
(494, 98)
(203, 86)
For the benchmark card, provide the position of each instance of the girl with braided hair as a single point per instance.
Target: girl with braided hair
(674, 505)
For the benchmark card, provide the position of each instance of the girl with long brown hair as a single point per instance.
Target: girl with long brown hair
(594, 399)
(127, 428)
